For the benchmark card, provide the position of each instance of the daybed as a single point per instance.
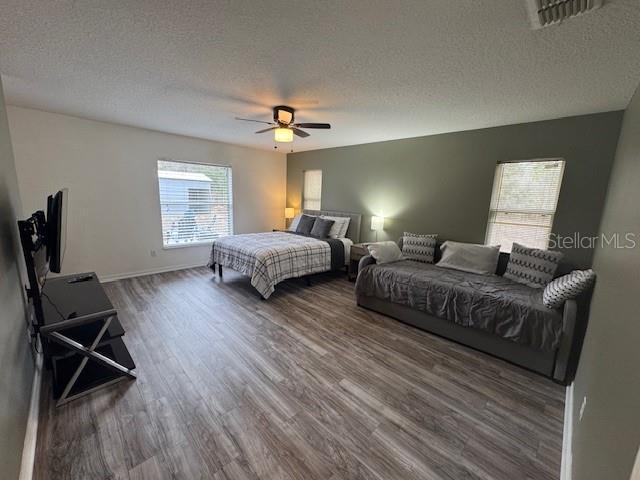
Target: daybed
(486, 312)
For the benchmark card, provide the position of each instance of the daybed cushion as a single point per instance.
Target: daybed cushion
(469, 257)
(532, 266)
(420, 248)
(568, 286)
(487, 302)
(385, 252)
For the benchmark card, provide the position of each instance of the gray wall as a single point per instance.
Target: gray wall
(607, 438)
(442, 183)
(16, 365)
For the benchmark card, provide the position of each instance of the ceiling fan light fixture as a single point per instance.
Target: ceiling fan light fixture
(285, 117)
(283, 135)
(284, 126)
(283, 114)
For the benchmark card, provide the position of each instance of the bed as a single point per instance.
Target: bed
(269, 258)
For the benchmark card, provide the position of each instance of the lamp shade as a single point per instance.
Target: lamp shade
(283, 135)
(377, 223)
(289, 213)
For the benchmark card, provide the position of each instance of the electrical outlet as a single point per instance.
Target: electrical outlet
(582, 407)
(153, 253)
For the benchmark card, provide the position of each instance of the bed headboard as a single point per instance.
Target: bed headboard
(353, 232)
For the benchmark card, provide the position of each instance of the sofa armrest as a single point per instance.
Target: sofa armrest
(563, 355)
(366, 260)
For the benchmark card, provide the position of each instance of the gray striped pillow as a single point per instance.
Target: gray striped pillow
(532, 266)
(566, 287)
(421, 248)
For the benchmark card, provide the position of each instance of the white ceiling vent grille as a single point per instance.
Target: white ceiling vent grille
(548, 12)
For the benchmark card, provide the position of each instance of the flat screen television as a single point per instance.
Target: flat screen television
(56, 229)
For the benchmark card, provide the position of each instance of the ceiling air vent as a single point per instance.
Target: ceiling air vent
(548, 12)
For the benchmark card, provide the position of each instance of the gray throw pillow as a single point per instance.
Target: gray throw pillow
(421, 248)
(532, 266)
(321, 227)
(469, 257)
(305, 224)
(566, 287)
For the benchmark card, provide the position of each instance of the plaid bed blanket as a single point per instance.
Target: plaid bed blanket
(271, 257)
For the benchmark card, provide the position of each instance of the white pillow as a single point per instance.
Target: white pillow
(339, 227)
(385, 252)
(294, 223)
(469, 257)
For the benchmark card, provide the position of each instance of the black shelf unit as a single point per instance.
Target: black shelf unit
(78, 328)
(66, 300)
(93, 375)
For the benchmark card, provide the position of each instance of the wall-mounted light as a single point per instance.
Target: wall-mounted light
(283, 135)
(377, 223)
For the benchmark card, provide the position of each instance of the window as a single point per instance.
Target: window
(523, 203)
(195, 202)
(312, 190)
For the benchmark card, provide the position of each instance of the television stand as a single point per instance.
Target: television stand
(82, 337)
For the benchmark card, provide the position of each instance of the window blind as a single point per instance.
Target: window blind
(523, 203)
(196, 202)
(312, 190)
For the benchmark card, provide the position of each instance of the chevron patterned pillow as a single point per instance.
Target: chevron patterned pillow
(532, 266)
(421, 248)
(566, 287)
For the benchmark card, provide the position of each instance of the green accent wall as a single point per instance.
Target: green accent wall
(442, 183)
(16, 372)
(605, 442)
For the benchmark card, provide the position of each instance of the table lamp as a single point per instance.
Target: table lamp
(289, 213)
(377, 223)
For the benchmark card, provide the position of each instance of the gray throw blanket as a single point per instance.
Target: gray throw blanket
(488, 302)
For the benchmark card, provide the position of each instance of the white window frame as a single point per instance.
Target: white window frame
(231, 203)
(304, 198)
(496, 188)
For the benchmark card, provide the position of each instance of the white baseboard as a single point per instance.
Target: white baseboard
(567, 435)
(31, 433)
(141, 273)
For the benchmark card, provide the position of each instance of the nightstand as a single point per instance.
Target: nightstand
(358, 250)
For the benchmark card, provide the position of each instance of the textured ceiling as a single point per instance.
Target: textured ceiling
(376, 70)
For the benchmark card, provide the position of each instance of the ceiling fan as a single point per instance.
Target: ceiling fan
(283, 124)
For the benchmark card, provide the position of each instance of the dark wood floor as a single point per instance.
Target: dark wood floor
(305, 386)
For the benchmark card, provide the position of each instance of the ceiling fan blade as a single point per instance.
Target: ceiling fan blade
(251, 120)
(312, 125)
(299, 132)
(266, 129)
(302, 101)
